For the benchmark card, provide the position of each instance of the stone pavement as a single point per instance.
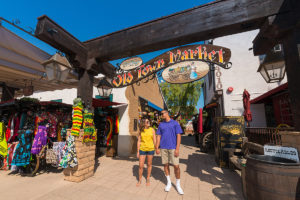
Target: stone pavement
(116, 179)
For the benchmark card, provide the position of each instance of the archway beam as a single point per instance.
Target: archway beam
(208, 21)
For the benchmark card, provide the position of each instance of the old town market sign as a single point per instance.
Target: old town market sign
(187, 66)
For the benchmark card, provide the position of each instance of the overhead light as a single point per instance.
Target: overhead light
(104, 88)
(57, 68)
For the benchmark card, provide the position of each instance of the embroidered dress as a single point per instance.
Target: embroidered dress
(40, 140)
(52, 129)
(22, 154)
(70, 158)
(90, 134)
(77, 119)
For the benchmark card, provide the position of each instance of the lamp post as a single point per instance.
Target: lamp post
(104, 88)
(57, 68)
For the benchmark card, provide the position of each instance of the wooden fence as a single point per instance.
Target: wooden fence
(265, 135)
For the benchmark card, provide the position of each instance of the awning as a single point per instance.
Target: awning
(152, 105)
(268, 94)
(103, 103)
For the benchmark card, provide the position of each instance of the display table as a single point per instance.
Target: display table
(86, 160)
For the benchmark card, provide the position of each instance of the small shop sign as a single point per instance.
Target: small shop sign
(185, 58)
(131, 63)
(282, 152)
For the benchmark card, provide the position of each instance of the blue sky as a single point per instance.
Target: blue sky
(90, 18)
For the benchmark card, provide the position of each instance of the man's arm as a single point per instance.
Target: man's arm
(176, 153)
(157, 144)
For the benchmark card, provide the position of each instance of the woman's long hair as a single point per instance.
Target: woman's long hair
(143, 124)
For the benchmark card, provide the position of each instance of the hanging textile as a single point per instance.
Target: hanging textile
(109, 131)
(3, 143)
(117, 125)
(40, 140)
(89, 134)
(11, 150)
(22, 154)
(53, 123)
(77, 118)
(58, 150)
(7, 134)
(69, 158)
(15, 128)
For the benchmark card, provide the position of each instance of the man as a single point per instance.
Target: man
(169, 139)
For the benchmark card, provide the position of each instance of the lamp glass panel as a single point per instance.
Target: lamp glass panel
(263, 72)
(50, 71)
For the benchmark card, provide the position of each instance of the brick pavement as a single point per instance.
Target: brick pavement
(116, 178)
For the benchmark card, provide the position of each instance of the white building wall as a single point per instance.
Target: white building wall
(242, 75)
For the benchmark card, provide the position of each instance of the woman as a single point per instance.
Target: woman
(145, 148)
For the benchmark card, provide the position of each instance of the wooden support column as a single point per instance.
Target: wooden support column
(291, 45)
(85, 86)
(8, 93)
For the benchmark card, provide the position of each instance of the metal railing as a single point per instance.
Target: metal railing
(266, 135)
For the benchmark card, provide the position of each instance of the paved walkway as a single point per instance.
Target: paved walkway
(116, 178)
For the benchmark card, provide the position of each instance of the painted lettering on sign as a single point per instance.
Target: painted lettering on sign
(205, 53)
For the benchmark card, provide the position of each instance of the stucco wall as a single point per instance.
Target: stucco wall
(242, 75)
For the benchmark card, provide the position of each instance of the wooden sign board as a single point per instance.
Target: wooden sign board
(206, 53)
(185, 72)
(131, 63)
(282, 152)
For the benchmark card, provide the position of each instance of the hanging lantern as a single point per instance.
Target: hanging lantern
(57, 68)
(104, 88)
(273, 72)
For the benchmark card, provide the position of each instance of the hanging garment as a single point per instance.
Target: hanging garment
(117, 125)
(22, 120)
(90, 134)
(40, 140)
(7, 132)
(58, 150)
(77, 119)
(3, 143)
(11, 150)
(59, 128)
(53, 123)
(109, 131)
(22, 153)
(16, 128)
(69, 158)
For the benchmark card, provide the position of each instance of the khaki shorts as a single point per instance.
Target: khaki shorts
(167, 156)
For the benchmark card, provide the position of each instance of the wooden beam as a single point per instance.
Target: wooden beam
(50, 32)
(291, 47)
(276, 27)
(212, 20)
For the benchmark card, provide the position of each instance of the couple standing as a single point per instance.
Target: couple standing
(167, 142)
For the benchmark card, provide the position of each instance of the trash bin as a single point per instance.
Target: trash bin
(269, 177)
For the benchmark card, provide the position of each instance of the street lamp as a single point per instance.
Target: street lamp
(57, 68)
(272, 66)
(104, 88)
(272, 72)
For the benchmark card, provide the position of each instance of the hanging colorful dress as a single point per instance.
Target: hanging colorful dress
(40, 140)
(22, 153)
(90, 134)
(3, 145)
(77, 119)
(70, 158)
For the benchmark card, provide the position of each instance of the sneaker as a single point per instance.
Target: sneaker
(168, 187)
(179, 190)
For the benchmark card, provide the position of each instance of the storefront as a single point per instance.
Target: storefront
(277, 106)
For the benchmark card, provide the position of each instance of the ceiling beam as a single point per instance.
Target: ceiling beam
(208, 21)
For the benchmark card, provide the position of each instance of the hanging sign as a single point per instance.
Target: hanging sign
(185, 72)
(206, 53)
(131, 63)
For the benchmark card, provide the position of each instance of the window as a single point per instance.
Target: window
(277, 48)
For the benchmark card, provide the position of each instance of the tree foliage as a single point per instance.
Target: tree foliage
(182, 98)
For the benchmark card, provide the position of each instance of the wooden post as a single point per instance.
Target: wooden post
(85, 86)
(291, 43)
(8, 93)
